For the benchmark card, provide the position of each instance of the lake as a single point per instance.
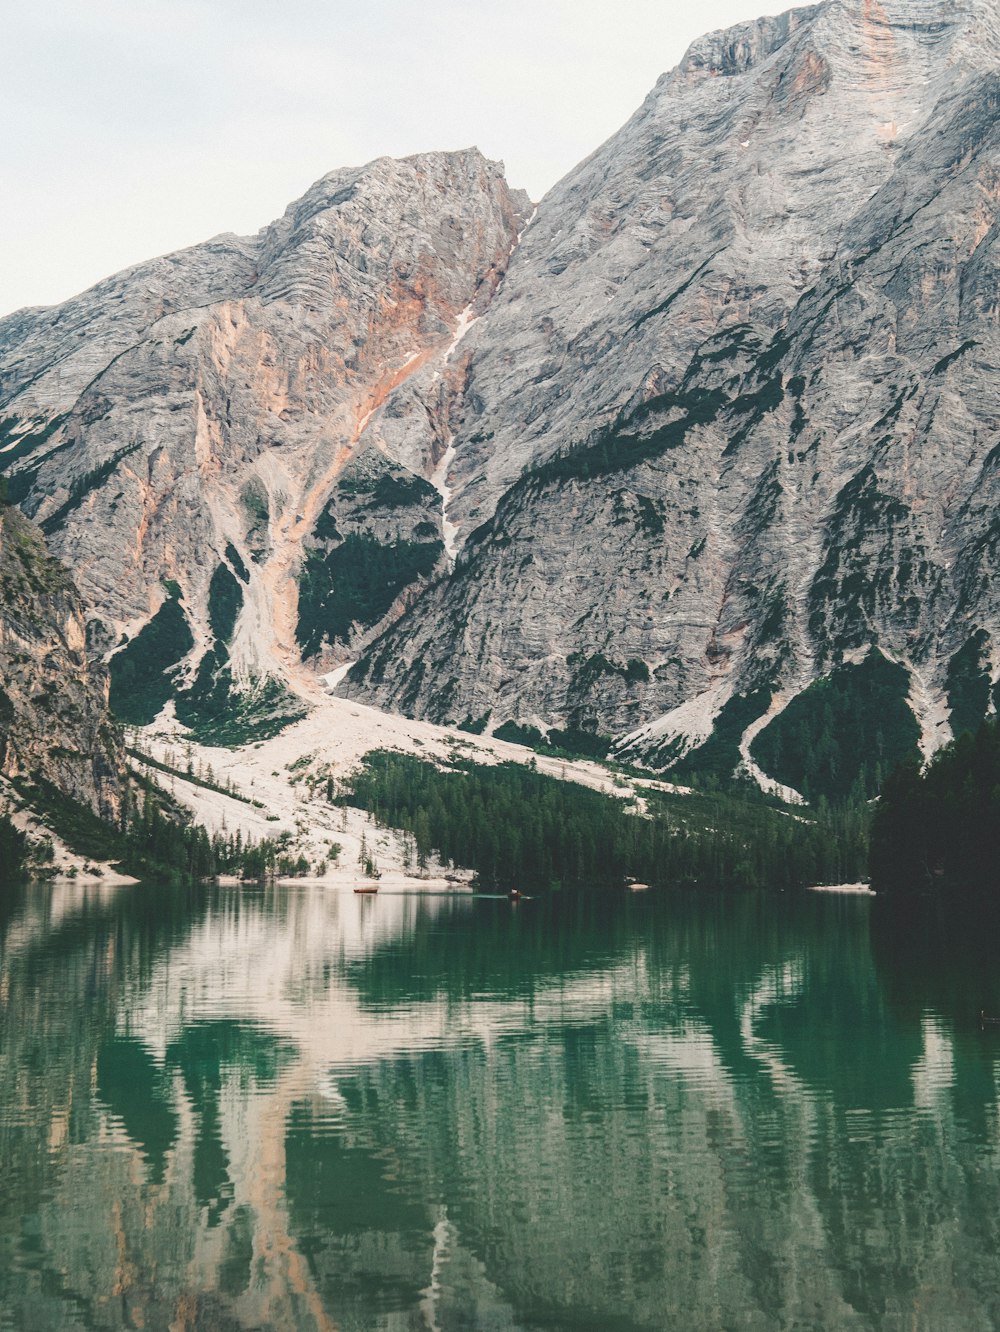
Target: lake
(291, 1108)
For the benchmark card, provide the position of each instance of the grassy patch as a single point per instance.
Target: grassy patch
(571, 743)
(13, 851)
(77, 825)
(852, 584)
(218, 711)
(401, 490)
(640, 437)
(28, 570)
(588, 671)
(952, 357)
(84, 485)
(716, 759)
(575, 742)
(233, 556)
(474, 725)
(516, 734)
(27, 443)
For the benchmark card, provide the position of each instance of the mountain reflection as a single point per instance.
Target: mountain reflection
(293, 1109)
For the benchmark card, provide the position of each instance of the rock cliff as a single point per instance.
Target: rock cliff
(715, 424)
(179, 430)
(54, 722)
(731, 421)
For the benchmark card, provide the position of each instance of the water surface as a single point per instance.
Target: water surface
(303, 1109)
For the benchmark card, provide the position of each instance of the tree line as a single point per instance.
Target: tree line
(153, 839)
(938, 830)
(517, 828)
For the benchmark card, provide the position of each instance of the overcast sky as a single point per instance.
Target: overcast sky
(133, 127)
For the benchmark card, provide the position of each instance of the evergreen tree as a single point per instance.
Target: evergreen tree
(940, 830)
(518, 828)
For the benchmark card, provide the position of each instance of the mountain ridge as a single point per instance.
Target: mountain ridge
(193, 415)
(712, 425)
(721, 351)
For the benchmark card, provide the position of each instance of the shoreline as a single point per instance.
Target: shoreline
(857, 889)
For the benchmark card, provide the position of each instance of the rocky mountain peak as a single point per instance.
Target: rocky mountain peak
(188, 423)
(727, 52)
(709, 415)
(728, 189)
(876, 39)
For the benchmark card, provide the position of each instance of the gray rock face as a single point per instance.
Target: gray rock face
(197, 411)
(54, 722)
(732, 417)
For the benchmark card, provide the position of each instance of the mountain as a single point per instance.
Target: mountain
(195, 432)
(731, 422)
(54, 722)
(699, 459)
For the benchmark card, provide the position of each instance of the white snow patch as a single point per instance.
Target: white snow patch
(439, 477)
(534, 214)
(439, 480)
(465, 321)
(334, 677)
(517, 242)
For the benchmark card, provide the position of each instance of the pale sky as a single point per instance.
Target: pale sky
(134, 127)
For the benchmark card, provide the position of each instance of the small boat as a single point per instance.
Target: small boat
(367, 891)
(515, 894)
(636, 887)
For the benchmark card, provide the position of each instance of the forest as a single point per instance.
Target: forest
(13, 850)
(518, 828)
(938, 831)
(155, 839)
(514, 826)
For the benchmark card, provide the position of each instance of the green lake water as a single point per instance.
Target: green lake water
(303, 1109)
